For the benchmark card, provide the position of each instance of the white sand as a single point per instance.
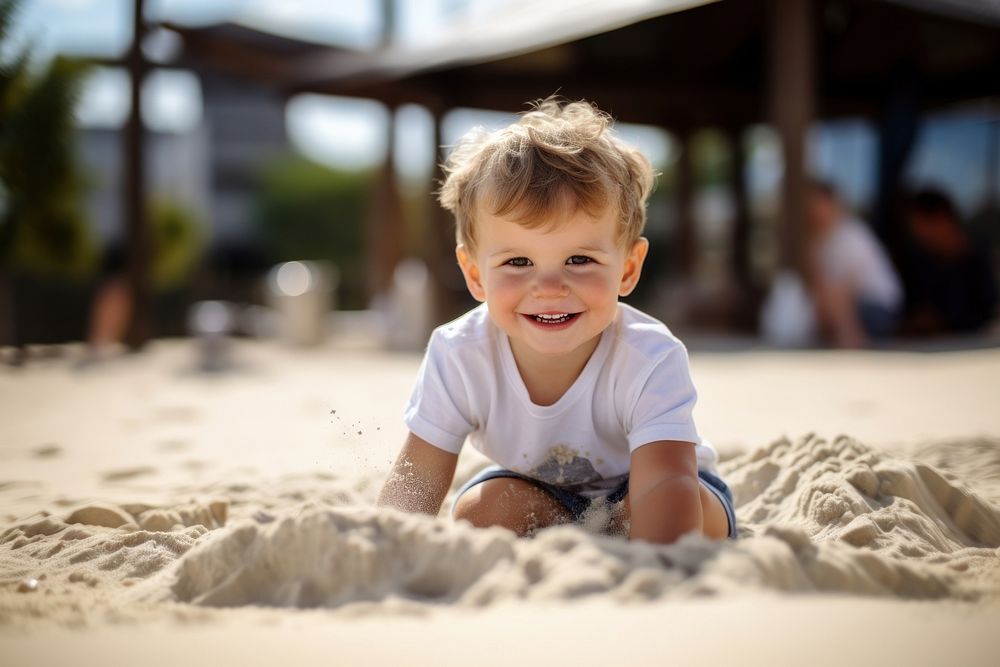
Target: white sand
(151, 513)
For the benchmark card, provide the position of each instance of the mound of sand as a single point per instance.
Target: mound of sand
(815, 516)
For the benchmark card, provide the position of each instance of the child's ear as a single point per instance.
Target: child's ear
(633, 266)
(473, 277)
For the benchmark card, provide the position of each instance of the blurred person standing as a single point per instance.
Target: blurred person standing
(950, 282)
(854, 286)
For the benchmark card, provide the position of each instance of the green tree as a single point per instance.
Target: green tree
(42, 227)
(178, 239)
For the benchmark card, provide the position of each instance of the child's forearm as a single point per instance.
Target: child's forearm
(405, 492)
(419, 479)
(667, 510)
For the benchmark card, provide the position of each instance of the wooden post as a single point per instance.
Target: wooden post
(741, 224)
(439, 245)
(686, 232)
(137, 236)
(791, 108)
(438, 235)
(992, 229)
(746, 301)
(385, 231)
(993, 170)
(899, 125)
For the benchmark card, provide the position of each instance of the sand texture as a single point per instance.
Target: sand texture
(145, 507)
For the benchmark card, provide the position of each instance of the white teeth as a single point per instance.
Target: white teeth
(552, 318)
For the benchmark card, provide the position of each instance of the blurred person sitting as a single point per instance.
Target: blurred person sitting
(853, 284)
(950, 282)
(110, 310)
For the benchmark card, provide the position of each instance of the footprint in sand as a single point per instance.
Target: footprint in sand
(46, 451)
(127, 473)
(18, 484)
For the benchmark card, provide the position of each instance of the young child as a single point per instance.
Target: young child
(573, 395)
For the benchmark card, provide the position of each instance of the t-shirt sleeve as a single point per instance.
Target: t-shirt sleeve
(438, 411)
(664, 402)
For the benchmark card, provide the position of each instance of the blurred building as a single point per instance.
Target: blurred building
(178, 163)
(244, 127)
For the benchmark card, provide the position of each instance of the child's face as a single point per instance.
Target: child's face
(553, 290)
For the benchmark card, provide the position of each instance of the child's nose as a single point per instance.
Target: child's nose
(550, 284)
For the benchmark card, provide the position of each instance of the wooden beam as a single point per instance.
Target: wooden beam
(652, 102)
(236, 60)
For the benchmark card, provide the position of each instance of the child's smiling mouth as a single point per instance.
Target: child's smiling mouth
(551, 320)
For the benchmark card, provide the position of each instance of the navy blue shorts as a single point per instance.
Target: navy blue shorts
(578, 504)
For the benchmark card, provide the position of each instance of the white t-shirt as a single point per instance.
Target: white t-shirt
(851, 254)
(635, 389)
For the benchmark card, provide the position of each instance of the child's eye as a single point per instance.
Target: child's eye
(518, 261)
(579, 259)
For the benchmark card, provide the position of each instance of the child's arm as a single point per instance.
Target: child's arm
(664, 492)
(419, 479)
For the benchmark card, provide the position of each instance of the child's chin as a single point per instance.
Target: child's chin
(553, 347)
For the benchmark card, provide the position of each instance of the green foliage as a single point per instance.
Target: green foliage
(178, 241)
(308, 211)
(42, 228)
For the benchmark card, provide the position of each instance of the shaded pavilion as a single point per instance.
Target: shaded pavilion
(222, 56)
(679, 64)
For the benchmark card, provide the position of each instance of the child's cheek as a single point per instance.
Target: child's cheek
(593, 281)
(508, 281)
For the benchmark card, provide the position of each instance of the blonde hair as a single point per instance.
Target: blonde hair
(557, 155)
